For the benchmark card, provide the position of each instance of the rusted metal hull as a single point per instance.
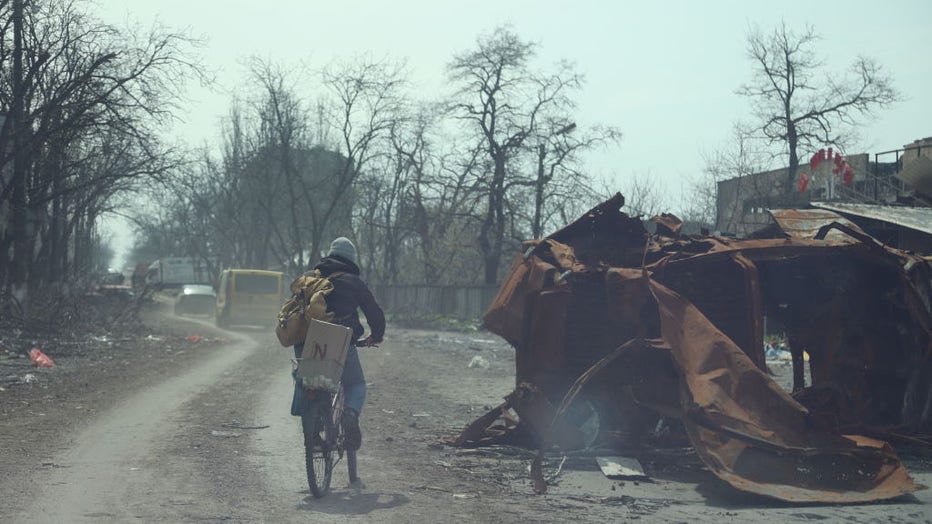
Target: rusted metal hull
(860, 310)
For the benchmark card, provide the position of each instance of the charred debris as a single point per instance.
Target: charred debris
(615, 329)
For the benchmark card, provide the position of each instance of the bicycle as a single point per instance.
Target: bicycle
(324, 437)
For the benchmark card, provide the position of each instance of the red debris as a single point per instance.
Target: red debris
(40, 359)
(803, 182)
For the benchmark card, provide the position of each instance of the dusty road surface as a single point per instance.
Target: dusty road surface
(174, 430)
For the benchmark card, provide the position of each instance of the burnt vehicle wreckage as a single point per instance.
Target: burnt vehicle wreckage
(615, 329)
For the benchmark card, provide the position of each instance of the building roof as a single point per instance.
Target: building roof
(917, 218)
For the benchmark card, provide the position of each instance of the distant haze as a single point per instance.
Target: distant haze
(665, 73)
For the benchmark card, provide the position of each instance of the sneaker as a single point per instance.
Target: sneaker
(353, 436)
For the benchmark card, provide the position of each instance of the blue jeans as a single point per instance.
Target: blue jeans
(353, 379)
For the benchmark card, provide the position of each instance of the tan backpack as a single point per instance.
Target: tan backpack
(308, 300)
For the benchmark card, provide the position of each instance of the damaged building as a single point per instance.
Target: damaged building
(615, 328)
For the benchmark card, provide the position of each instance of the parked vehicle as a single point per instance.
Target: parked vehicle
(248, 296)
(196, 299)
(138, 277)
(174, 272)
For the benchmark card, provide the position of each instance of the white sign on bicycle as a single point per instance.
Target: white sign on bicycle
(321, 362)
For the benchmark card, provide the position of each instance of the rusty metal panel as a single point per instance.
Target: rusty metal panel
(719, 285)
(754, 435)
(670, 225)
(805, 223)
(918, 218)
(547, 338)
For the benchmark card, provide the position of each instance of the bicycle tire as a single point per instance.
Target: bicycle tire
(318, 447)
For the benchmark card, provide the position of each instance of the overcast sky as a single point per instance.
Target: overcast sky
(664, 72)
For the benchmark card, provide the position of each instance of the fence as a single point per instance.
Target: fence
(462, 302)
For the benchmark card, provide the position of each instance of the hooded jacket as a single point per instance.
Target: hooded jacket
(349, 293)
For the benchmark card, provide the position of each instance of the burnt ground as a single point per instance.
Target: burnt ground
(147, 425)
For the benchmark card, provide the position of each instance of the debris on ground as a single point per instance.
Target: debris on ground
(225, 434)
(618, 467)
(478, 362)
(40, 359)
(239, 425)
(614, 328)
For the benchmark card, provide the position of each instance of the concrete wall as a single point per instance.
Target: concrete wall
(921, 147)
(742, 202)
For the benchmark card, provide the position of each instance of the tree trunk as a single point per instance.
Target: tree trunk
(792, 142)
(17, 276)
(537, 226)
(493, 228)
(56, 238)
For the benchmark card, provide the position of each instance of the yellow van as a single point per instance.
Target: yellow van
(249, 296)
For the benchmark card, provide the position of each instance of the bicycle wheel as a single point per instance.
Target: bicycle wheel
(318, 447)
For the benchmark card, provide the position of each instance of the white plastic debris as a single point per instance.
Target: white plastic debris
(29, 378)
(226, 434)
(621, 467)
(478, 362)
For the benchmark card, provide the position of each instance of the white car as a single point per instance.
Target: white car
(196, 299)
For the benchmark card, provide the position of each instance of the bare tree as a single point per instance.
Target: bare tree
(87, 100)
(279, 167)
(275, 196)
(503, 101)
(442, 199)
(738, 161)
(644, 194)
(366, 99)
(559, 181)
(798, 104)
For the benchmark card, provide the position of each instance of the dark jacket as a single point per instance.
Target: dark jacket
(350, 292)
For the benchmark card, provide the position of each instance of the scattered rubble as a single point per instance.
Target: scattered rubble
(617, 467)
(478, 362)
(225, 434)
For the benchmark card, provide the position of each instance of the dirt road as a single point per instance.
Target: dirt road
(204, 434)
